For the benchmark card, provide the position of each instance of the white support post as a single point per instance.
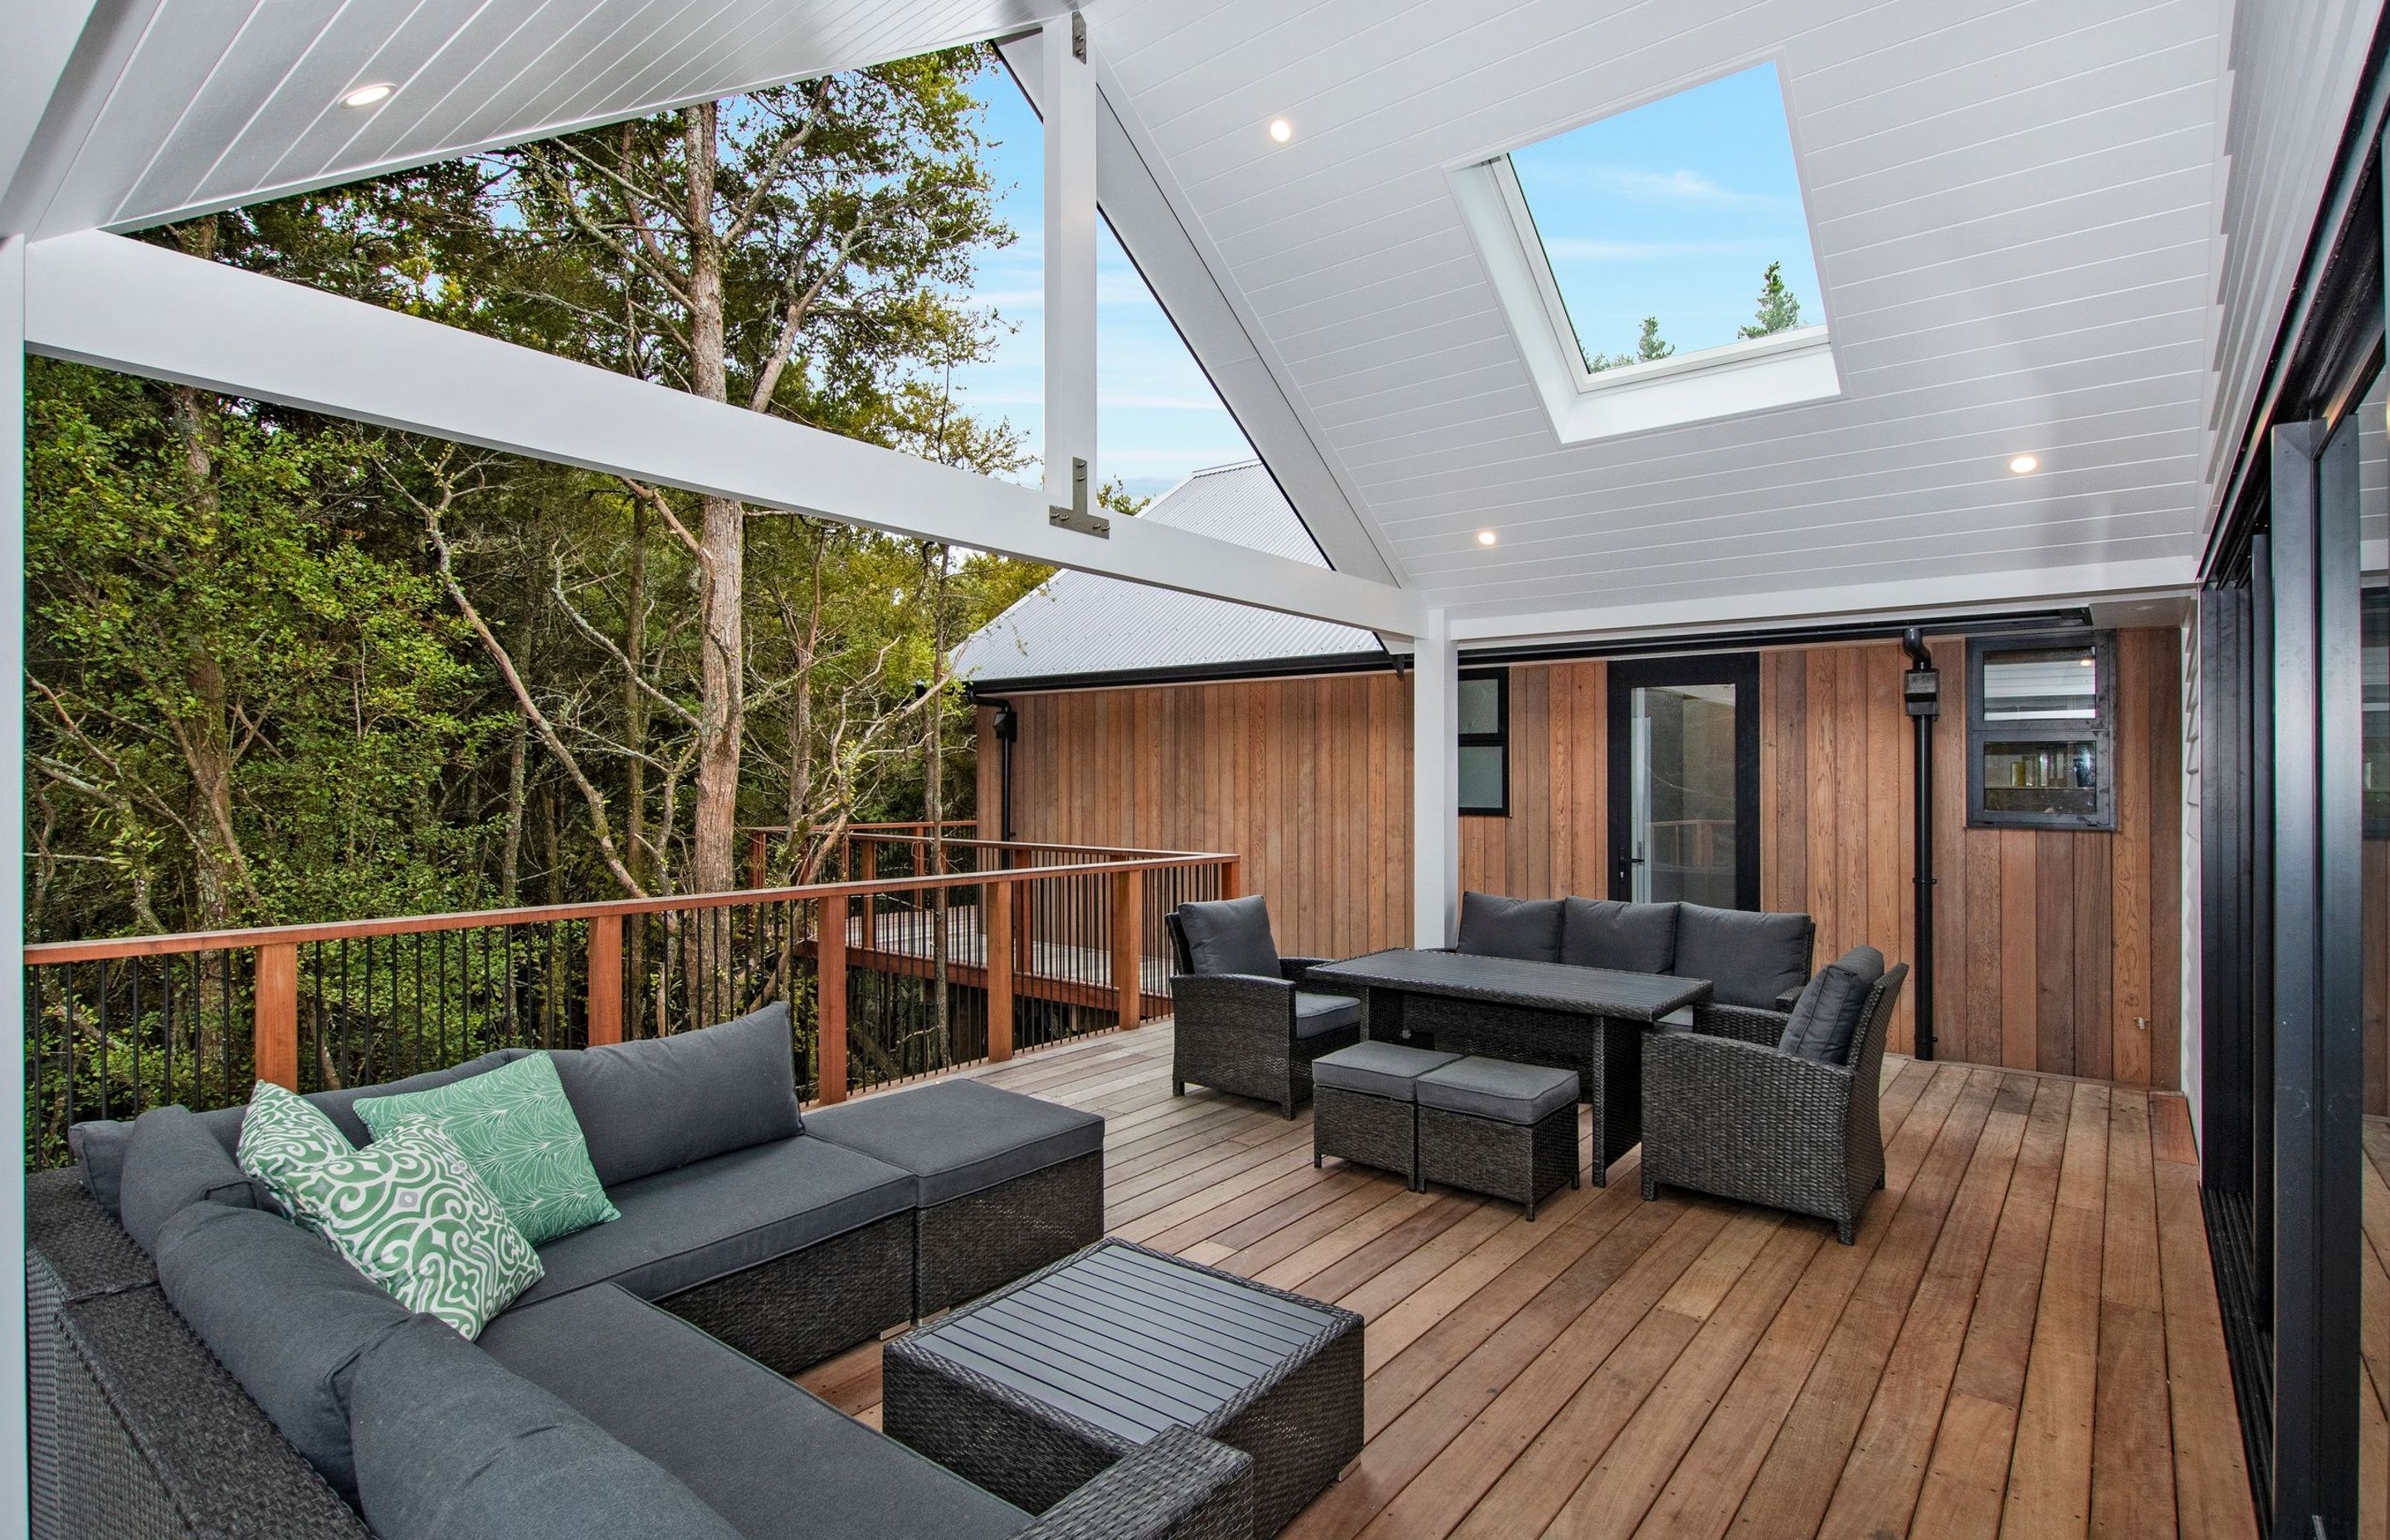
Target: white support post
(12, 854)
(1435, 784)
(1068, 99)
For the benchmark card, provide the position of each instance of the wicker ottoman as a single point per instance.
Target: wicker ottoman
(1504, 1129)
(1362, 1105)
(1005, 1183)
(1033, 1390)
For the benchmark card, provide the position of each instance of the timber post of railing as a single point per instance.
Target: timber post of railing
(758, 854)
(1129, 950)
(604, 980)
(870, 854)
(829, 1007)
(1232, 877)
(276, 1045)
(998, 949)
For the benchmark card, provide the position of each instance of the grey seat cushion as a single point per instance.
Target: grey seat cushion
(1749, 956)
(452, 1445)
(683, 1227)
(654, 1105)
(287, 1316)
(1229, 935)
(171, 1162)
(1498, 1089)
(100, 1147)
(959, 1136)
(766, 1455)
(1317, 1015)
(1377, 1069)
(1631, 938)
(1826, 1018)
(1526, 929)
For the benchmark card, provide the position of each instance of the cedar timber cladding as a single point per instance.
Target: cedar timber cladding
(2056, 950)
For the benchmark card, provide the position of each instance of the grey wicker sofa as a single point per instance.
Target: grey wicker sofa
(1769, 1108)
(1244, 1023)
(226, 1374)
(1758, 962)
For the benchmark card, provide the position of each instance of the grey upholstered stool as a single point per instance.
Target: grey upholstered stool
(1361, 1105)
(1492, 1126)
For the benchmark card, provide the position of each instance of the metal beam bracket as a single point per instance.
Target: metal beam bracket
(1076, 516)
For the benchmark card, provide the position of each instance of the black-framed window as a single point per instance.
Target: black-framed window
(2041, 731)
(1485, 713)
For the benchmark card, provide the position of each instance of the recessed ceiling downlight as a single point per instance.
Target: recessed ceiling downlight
(2024, 465)
(367, 96)
(1281, 130)
(1485, 537)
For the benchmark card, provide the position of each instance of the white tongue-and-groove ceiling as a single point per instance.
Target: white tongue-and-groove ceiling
(2014, 213)
(177, 105)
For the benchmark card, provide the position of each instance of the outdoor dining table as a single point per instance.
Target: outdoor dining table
(1589, 1020)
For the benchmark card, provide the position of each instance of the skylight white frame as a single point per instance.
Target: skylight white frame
(1757, 373)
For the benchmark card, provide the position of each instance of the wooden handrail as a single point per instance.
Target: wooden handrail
(40, 954)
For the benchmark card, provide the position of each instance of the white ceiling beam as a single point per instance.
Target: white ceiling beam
(1069, 91)
(1181, 275)
(1898, 598)
(125, 304)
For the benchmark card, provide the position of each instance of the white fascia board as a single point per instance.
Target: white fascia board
(1911, 599)
(124, 305)
(1180, 268)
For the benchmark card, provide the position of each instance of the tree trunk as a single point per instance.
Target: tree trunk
(722, 539)
(635, 703)
(510, 860)
(205, 734)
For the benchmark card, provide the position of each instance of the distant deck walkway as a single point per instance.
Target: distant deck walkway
(2025, 1343)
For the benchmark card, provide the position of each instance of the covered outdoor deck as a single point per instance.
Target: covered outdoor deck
(2024, 1341)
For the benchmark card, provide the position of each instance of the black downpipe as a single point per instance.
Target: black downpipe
(1920, 693)
(1008, 727)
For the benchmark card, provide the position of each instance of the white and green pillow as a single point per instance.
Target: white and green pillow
(517, 1132)
(281, 1132)
(408, 1212)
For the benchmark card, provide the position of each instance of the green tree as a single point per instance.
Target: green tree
(1780, 308)
(1648, 348)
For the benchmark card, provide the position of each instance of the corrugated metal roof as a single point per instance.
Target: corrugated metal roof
(1078, 623)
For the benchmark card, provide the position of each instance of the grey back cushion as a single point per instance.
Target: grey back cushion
(1229, 935)
(452, 1445)
(1750, 956)
(286, 1315)
(660, 1104)
(100, 1147)
(1526, 929)
(1826, 1020)
(171, 1162)
(1630, 938)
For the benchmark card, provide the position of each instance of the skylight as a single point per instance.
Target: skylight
(1656, 263)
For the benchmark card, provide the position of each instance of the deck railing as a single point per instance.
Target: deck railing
(888, 977)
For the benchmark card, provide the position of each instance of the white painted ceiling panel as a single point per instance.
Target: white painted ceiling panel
(200, 104)
(2013, 208)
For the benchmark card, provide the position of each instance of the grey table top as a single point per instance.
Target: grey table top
(1643, 997)
(1130, 1342)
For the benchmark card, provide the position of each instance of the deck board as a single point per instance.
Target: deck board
(2024, 1343)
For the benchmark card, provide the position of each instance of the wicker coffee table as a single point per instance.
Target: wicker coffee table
(1033, 1390)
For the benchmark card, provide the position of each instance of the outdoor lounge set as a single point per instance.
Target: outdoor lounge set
(205, 1367)
(1465, 1066)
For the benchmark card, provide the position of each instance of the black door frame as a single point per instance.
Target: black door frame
(1626, 675)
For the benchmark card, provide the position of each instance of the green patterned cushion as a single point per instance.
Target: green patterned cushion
(281, 1132)
(409, 1212)
(519, 1135)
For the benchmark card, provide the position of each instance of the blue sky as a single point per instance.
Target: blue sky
(1157, 416)
(1674, 209)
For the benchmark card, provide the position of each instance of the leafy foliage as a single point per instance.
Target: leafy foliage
(1780, 308)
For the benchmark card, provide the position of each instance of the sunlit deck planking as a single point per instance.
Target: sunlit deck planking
(2024, 1343)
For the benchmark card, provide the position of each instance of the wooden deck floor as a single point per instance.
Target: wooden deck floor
(2024, 1343)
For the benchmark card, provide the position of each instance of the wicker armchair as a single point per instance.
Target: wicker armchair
(1726, 1111)
(1253, 1034)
